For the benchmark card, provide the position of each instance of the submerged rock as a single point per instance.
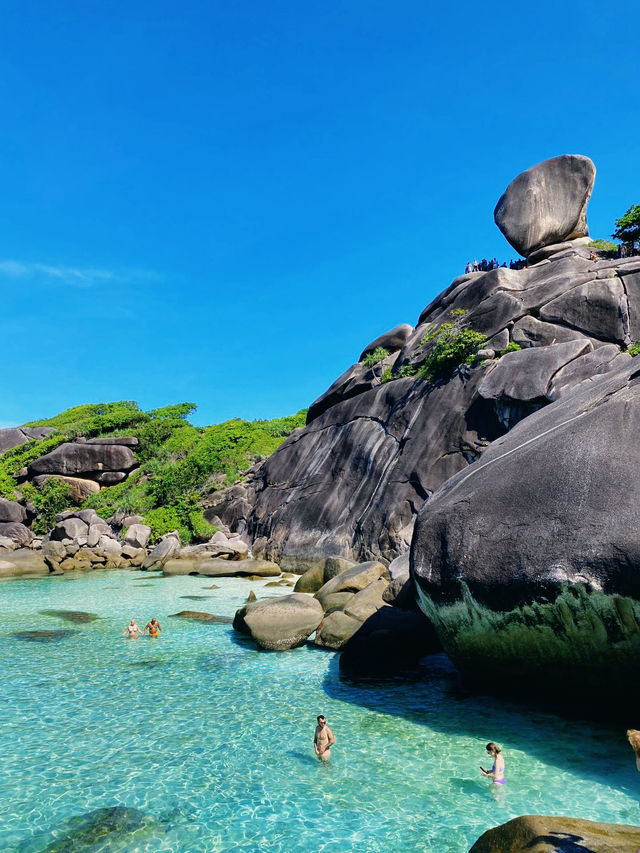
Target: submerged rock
(43, 636)
(79, 617)
(108, 830)
(539, 834)
(197, 616)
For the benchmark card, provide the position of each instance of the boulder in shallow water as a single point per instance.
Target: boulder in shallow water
(352, 579)
(547, 203)
(22, 562)
(540, 834)
(166, 548)
(116, 830)
(279, 624)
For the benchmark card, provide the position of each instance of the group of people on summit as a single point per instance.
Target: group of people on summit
(484, 265)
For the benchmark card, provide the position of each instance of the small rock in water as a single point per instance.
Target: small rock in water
(77, 616)
(273, 583)
(195, 597)
(43, 636)
(252, 596)
(213, 586)
(202, 617)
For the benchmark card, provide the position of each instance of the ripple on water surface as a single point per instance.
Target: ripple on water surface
(211, 739)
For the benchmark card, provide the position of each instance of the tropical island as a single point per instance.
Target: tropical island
(461, 497)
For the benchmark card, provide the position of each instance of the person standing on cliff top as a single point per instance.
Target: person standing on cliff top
(323, 739)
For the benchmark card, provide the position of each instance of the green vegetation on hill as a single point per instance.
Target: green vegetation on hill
(179, 462)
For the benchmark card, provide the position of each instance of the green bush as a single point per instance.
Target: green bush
(179, 462)
(379, 354)
(387, 375)
(510, 347)
(604, 246)
(458, 312)
(452, 348)
(634, 349)
(51, 498)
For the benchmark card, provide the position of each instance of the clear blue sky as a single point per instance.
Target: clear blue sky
(224, 202)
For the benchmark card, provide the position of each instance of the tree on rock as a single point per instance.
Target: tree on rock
(628, 226)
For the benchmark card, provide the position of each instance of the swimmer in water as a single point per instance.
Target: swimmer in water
(323, 739)
(132, 631)
(153, 627)
(496, 774)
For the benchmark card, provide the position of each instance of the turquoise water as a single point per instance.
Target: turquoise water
(214, 738)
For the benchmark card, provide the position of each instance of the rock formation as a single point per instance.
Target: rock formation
(540, 834)
(527, 562)
(352, 482)
(547, 204)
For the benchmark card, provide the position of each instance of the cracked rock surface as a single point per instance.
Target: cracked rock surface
(352, 482)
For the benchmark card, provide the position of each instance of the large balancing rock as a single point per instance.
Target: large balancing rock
(528, 562)
(547, 204)
(540, 834)
(281, 623)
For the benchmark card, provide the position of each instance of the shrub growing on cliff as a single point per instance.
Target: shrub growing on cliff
(52, 497)
(510, 347)
(379, 354)
(452, 347)
(634, 349)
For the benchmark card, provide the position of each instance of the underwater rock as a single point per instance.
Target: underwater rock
(43, 636)
(197, 616)
(108, 830)
(540, 834)
(79, 617)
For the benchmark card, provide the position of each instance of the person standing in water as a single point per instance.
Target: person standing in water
(634, 739)
(497, 771)
(132, 631)
(323, 739)
(153, 627)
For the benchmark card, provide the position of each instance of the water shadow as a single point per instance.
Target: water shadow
(434, 696)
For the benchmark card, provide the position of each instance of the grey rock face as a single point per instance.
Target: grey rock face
(279, 623)
(353, 480)
(525, 375)
(72, 458)
(166, 548)
(12, 511)
(138, 535)
(14, 437)
(526, 562)
(547, 203)
(16, 531)
(391, 341)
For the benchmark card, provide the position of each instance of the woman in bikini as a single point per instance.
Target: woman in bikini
(497, 771)
(132, 631)
(153, 627)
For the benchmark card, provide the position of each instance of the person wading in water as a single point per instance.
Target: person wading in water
(323, 739)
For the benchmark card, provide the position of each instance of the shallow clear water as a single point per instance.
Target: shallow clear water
(214, 738)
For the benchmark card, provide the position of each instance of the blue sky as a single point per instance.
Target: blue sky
(224, 202)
